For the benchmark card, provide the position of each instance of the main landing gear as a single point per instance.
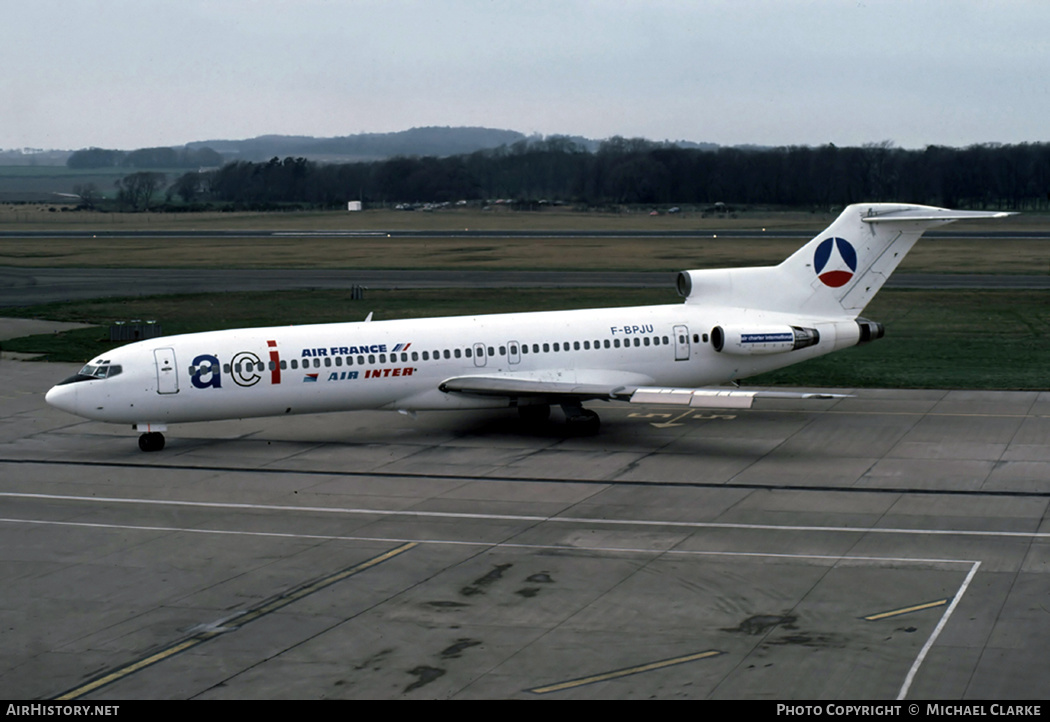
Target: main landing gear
(153, 441)
(578, 420)
(581, 421)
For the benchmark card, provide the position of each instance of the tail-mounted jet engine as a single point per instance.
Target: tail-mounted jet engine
(764, 340)
(870, 330)
(759, 341)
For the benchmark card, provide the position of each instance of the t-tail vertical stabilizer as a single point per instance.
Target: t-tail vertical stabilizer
(843, 268)
(834, 275)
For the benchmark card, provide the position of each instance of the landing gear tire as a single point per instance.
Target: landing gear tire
(583, 422)
(535, 414)
(153, 441)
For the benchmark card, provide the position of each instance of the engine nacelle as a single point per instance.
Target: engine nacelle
(684, 284)
(870, 330)
(762, 340)
(711, 284)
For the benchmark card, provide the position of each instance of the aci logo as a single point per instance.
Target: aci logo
(835, 262)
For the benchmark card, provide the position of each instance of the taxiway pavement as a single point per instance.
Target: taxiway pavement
(893, 544)
(32, 286)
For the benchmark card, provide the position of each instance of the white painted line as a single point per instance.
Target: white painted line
(937, 632)
(533, 518)
(494, 545)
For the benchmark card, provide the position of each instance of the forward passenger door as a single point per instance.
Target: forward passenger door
(167, 371)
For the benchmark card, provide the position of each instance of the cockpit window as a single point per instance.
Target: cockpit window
(101, 371)
(93, 372)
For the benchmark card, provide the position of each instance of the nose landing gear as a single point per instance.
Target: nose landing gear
(153, 441)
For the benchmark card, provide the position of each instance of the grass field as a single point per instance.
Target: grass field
(948, 255)
(934, 339)
(499, 218)
(940, 255)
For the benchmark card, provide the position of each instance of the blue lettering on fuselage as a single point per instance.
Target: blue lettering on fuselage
(631, 330)
(767, 337)
(206, 372)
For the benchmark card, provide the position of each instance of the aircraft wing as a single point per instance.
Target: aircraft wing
(567, 392)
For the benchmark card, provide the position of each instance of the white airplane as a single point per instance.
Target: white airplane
(734, 323)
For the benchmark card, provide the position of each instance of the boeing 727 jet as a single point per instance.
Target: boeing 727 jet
(734, 323)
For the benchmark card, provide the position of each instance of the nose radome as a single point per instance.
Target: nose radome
(63, 397)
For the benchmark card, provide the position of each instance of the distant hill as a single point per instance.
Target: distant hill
(431, 141)
(362, 147)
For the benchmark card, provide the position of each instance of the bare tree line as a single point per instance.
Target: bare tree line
(638, 171)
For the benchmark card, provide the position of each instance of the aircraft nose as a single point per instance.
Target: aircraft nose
(64, 397)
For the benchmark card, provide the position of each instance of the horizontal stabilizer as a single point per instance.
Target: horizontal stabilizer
(929, 214)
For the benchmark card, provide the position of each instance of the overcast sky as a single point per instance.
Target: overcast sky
(135, 73)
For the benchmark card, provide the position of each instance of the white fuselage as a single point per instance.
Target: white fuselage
(400, 364)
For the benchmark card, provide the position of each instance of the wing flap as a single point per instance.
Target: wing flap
(696, 398)
(714, 398)
(718, 398)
